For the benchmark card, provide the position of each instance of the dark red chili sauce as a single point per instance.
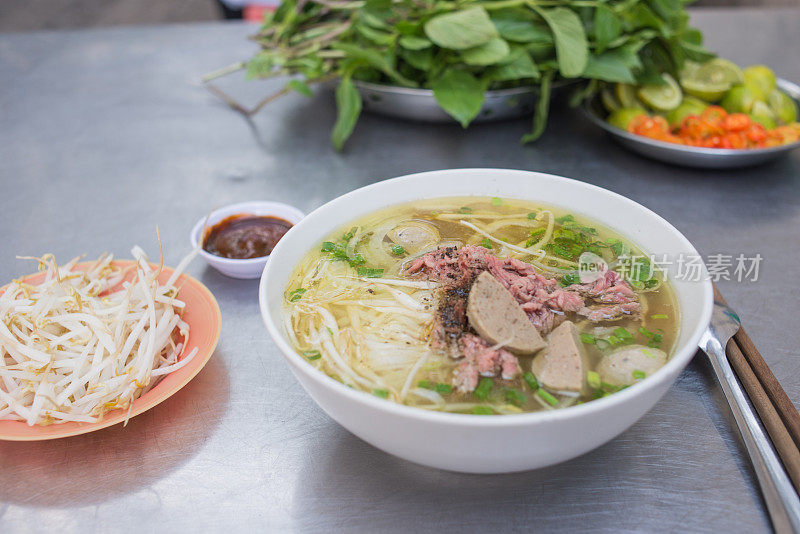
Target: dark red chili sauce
(245, 236)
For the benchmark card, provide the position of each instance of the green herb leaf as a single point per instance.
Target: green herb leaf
(296, 295)
(367, 272)
(464, 209)
(397, 250)
(348, 104)
(542, 109)
(593, 379)
(412, 42)
(301, 87)
(489, 53)
(532, 215)
(382, 393)
(530, 379)
(572, 48)
(607, 26)
(312, 355)
(639, 375)
(497, 201)
(444, 389)
(515, 397)
(425, 384)
(588, 339)
(514, 26)
(462, 29)
(460, 94)
(486, 243)
(482, 410)
(483, 389)
(547, 397)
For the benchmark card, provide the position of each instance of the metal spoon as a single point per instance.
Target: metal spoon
(782, 501)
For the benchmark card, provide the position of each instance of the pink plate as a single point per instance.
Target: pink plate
(205, 321)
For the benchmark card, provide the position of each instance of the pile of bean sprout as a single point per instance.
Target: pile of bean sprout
(84, 342)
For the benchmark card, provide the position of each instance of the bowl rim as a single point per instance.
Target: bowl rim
(682, 356)
(589, 108)
(268, 206)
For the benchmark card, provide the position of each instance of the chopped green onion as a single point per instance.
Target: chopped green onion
(465, 209)
(588, 339)
(655, 342)
(486, 243)
(312, 355)
(565, 218)
(623, 333)
(660, 316)
(613, 340)
(570, 279)
(531, 381)
(638, 375)
(484, 388)
(397, 250)
(645, 332)
(532, 215)
(358, 259)
(547, 397)
(382, 393)
(367, 272)
(295, 295)
(593, 379)
(444, 389)
(349, 235)
(482, 410)
(426, 384)
(496, 201)
(328, 246)
(515, 397)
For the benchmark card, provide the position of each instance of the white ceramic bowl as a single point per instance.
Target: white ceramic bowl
(251, 267)
(473, 443)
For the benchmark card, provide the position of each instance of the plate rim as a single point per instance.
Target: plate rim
(589, 105)
(119, 414)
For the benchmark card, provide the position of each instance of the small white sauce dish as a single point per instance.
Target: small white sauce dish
(241, 268)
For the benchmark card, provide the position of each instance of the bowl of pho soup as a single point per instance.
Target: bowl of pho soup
(481, 308)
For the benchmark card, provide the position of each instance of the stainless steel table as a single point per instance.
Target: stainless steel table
(106, 134)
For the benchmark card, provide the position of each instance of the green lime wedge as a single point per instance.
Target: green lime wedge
(689, 106)
(762, 114)
(782, 106)
(662, 97)
(711, 80)
(760, 77)
(739, 99)
(623, 116)
(608, 99)
(626, 95)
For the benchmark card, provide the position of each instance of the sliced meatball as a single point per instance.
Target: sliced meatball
(497, 316)
(617, 368)
(562, 365)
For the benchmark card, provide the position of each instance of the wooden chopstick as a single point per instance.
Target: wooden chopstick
(773, 388)
(777, 416)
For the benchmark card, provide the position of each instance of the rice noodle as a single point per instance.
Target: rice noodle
(70, 353)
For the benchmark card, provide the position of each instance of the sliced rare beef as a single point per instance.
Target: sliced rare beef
(482, 359)
(543, 299)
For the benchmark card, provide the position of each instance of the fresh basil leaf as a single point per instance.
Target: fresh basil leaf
(615, 65)
(376, 36)
(488, 53)
(412, 42)
(348, 105)
(460, 94)
(607, 26)
(462, 29)
(260, 65)
(541, 111)
(519, 68)
(572, 48)
(375, 59)
(512, 26)
(419, 59)
(301, 87)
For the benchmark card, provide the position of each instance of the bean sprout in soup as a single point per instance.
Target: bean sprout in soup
(481, 306)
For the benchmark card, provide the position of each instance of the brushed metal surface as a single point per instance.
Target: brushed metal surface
(106, 134)
(711, 158)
